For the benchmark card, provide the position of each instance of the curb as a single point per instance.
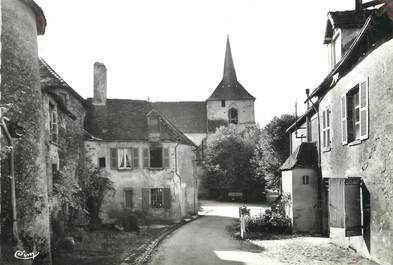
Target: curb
(135, 259)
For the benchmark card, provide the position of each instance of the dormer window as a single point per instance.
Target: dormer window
(335, 49)
(233, 116)
(154, 124)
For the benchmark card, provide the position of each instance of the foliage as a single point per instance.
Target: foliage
(268, 222)
(272, 150)
(228, 155)
(95, 185)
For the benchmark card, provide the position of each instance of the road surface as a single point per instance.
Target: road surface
(206, 241)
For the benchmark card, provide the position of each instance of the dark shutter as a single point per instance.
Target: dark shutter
(165, 154)
(128, 198)
(135, 158)
(353, 219)
(113, 158)
(146, 158)
(167, 198)
(336, 202)
(145, 199)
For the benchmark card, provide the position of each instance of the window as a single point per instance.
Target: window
(335, 50)
(223, 103)
(101, 162)
(124, 158)
(154, 124)
(53, 123)
(156, 157)
(156, 198)
(128, 198)
(306, 180)
(354, 111)
(233, 117)
(326, 132)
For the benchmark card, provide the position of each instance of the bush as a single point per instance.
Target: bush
(269, 222)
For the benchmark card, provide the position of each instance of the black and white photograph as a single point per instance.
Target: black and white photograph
(196, 132)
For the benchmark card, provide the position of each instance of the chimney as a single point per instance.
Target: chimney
(99, 84)
(358, 6)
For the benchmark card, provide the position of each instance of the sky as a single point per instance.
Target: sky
(173, 50)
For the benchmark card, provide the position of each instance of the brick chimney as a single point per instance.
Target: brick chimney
(99, 84)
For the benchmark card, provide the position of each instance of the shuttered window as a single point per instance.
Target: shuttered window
(364, 120)
(145, 199)
(336, 202)
(146, 158)
(156, 198)
(353, 211)
(113, 153)
(167, 198)
(165, 158)
(135, 158)
(128, 194)
(344, 132)
(326, 132)
(124, 158)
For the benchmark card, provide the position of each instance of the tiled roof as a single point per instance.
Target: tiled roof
(50, 79)
(229, 88)
(305, 156)
(187, 116)
(125, 120)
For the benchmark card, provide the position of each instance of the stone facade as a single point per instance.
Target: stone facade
(245, 108)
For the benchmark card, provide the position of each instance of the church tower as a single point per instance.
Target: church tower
(230, 101)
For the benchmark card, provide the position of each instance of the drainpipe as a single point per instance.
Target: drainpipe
(320, 182)
(12, 176)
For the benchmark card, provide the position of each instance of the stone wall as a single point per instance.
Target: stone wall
(183, 184)
(245, 110)
(371, 159)
(21, 87)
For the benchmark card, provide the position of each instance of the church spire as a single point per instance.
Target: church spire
(229, 67)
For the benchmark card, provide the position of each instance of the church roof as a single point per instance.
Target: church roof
(126, 120)
(187, 116)
(229, 88)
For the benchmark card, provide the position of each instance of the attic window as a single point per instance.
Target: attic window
(223, 103)
(335, 50)
(154, 124)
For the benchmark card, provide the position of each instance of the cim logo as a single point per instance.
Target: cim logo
(22, 254)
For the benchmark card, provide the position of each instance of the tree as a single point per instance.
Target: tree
(272, 149)
(228, 155)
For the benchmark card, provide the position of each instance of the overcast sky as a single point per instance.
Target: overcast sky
(173, 50)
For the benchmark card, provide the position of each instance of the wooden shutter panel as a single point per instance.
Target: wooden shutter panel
(128, 198)
(336, 202)
(363, 91)
(167, 198)
(165, 157)
(113, 158)
(146, 158)
(145, 199)
(353, 219)
(344, 122)
(135, 158)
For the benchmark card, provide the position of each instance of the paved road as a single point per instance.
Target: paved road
(206, 241)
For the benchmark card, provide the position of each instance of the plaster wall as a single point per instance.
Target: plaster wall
(245, 110)
(371, 159)
(181, 183)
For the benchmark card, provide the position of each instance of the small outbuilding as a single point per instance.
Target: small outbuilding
(300, 180)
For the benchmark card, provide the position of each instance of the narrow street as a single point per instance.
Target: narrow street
(207, 241)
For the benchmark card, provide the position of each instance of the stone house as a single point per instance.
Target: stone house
(355, 130)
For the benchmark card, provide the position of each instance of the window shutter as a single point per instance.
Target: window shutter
(363, 91)
(353, 219)
(167, 198)
(146, 158)
(113, 158)
(145, 199)
(128, 198)
(165, 154)
(135, 158)
(344, 122)
(336, 202)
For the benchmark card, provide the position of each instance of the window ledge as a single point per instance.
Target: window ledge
(326, 149)
(356, 142)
